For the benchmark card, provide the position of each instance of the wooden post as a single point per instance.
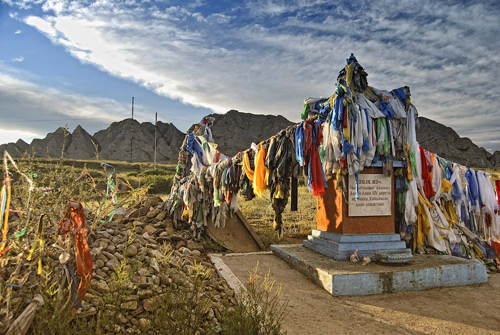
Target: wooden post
(294, 194)
(132, 130)
(156, 121)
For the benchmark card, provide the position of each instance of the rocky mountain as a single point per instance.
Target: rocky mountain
(128, 136)
(445, 142)
(16, 149)
(81, 145)
(113, 143)
(233, 132)
(51, 146)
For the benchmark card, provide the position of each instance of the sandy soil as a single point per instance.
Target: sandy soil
(312, 310)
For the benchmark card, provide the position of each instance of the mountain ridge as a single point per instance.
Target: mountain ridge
(233, 131)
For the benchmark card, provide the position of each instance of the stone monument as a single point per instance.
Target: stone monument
(346, 223)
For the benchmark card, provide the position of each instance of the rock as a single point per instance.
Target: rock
(192, 245)
(154, 264)
(153, 213)
(129, 305)
(185, 251)
(131, 251)
(95, 252)
(142, 282)
(155, 200)
(122, 318)
(143, 294)
(164, 236)
(121, 211)
(111, 248)
(99, 263)
(138, 223)
(94, 283)
(161, 216)
(138, 212)
(150, 304)
(144, 323)
(195, 253)
(150, 229)
(133, 297)
(179, 245)
(155, 253)
(145, 235)
(118, 256)
(102, 286)
(109, 255)
(167, 223)
(210, 314)
(112, 263)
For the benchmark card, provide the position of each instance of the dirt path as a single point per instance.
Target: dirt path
(312, 310)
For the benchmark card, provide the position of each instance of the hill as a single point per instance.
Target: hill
(129, 140)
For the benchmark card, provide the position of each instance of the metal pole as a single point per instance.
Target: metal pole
(156, 121)
(132, 130)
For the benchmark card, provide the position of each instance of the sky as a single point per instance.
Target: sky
(81, 62)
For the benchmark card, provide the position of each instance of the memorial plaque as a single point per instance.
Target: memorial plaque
(375, 195)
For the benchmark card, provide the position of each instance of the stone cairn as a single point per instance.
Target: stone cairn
(140, 236)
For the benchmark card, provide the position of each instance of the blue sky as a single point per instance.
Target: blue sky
(84, 60)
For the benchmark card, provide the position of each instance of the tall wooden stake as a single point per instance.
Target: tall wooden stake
(156, 121)
(132, 130)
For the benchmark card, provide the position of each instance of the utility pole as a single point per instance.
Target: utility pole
(132, 130)
(156, 121)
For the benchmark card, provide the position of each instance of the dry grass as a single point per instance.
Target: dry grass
(297, 224)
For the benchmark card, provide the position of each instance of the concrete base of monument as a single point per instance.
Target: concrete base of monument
(341, 278)
(342, 246)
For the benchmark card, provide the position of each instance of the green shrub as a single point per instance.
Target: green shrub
(260, 311)
(131, 174)
(155, 172)
(161, 184)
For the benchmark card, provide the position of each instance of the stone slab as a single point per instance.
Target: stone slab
(364, 249)
(355, 237)
(341, 278)
(342, 246)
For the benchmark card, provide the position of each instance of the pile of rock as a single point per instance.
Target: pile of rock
(138, 258)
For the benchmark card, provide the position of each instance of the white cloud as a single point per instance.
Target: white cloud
(283, 52)
(34, 110)
(43, 25)
(18, 32)
(12, 135)
(19, 59)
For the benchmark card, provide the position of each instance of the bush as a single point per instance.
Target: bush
(155, 172)
(161, 184)
(183, 309)
(131, 174)
(260, 311)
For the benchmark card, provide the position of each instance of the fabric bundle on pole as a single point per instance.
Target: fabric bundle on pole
(357, 126)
